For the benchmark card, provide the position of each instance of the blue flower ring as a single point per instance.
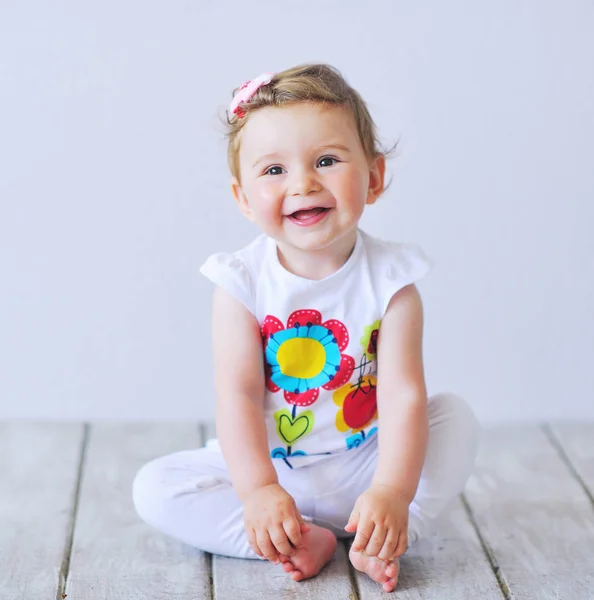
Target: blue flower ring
(303, 357)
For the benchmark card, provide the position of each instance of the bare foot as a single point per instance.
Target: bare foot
(319, 547)
(382, 571)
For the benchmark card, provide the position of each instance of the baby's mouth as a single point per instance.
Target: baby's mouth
(304, 216)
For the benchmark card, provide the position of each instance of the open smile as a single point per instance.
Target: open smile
(308, 217)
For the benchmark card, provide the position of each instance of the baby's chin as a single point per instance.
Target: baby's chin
(316, 239)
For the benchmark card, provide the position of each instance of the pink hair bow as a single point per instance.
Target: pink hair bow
(246, 91)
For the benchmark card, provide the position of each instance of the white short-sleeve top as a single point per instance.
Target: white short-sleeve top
(319, 339)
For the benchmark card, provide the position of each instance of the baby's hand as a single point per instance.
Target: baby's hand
(273, 522)
(380, 518)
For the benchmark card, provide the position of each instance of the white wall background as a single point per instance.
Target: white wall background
(114, 189)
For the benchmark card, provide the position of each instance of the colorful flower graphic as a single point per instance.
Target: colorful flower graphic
(369, 340)
(358, 403)
(305, 356)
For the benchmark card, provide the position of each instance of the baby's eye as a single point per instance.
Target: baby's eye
(274, 170)
(327, 161)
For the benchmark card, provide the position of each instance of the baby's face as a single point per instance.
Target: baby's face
(305, 178)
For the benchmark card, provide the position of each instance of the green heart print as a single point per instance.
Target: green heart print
(290, 430)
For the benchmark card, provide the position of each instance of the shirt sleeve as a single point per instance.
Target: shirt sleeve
(229, 272)
(404, 264)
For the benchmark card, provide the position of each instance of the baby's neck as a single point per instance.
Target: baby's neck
(317, 264)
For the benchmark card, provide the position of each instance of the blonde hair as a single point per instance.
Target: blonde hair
(309, 83)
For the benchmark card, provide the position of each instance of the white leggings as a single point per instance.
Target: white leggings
(188, 495)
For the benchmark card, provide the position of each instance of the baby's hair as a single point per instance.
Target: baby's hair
(308, 83)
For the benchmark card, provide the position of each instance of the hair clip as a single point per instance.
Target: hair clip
(246, 91)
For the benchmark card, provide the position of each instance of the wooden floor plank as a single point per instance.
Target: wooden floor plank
(531, 509)
(577, 443)
(236, 579)
(115, 555)
(448, 565)
(39, 465)
(533, 515)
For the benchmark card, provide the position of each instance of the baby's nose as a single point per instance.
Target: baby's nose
(303, 183)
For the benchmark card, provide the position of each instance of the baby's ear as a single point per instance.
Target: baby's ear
(241, 199)
(377, 171)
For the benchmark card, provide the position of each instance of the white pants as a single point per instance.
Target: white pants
(188, 495)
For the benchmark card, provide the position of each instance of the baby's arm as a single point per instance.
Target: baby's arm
(239, 386)
(271, 518)
(402, 395)
(380, 515)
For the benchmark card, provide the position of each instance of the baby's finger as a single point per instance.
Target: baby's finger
(389, 548)
(251, 535)
(303, 524)
(266, 546)
(353, 521)
(374, 545)
(401, 544)
(280, 541)
(364, 531)
(293, 530)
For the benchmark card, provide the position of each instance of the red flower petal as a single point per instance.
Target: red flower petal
(347, 366)
(360, 407)
(270, 325)
(340, 332)
(303, 317)
(269, 383)
(305, 399)
(272, 386)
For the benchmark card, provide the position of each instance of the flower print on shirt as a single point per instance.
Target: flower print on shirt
(358, 404)
(355, 440)
(289, 428)
(369, 340)
(358, 401)
(305, 356)
(301, 358)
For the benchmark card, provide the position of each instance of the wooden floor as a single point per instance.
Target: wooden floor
(524, 527)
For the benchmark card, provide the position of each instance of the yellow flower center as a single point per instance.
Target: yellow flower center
(302, 358)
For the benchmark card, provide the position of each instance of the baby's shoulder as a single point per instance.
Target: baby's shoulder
(393, 265)
(392, 258)
(237, 271)
(248, 259)
(253, 256)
